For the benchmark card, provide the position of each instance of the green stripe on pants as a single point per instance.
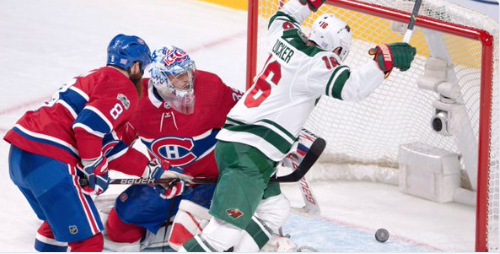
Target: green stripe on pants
(257, 233)
(193, 246)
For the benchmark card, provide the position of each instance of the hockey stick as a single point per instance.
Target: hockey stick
(311, 204)
(413, 18)
(306, 164)
(311, 157)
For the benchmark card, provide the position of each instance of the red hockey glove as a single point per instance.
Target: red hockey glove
(313, 4)
(388, 56)
(96, 173)
(175, 187)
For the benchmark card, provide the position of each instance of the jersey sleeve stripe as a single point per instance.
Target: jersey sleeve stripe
(119, 150)
(88, 129)
(69, 108)
(337, 81)
(283, 17)
(101, 115)
(93, 121)
(80, 92)
(74, 98)
(37, 137)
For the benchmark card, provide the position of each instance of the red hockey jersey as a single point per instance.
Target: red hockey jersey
(186, 141)
(72, 126)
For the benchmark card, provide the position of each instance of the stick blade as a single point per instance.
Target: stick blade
(311, 157)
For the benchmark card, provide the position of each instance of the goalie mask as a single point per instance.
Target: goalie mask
(173, 74)
(330, 33)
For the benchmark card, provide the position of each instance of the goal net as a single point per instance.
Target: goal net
(369, 134)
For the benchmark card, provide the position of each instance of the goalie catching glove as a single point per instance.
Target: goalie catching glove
(398, 55)
(163, 170)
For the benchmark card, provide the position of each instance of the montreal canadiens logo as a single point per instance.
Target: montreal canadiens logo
(176, 150)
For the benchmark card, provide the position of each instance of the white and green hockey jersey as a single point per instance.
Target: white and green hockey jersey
(272, 112)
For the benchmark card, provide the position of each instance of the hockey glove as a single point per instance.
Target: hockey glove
(175, 187)
(398, 55)
(313, 4)
(97, 176)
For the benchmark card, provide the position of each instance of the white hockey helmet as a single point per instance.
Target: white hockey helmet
(329, 33)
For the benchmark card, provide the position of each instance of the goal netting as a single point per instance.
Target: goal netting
(364, 138)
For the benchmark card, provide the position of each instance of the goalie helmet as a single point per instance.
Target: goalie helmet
(125, 50)
(329, 33)
(172, 75)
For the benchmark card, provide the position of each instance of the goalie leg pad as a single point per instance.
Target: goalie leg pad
(45, 241)
(190, 220)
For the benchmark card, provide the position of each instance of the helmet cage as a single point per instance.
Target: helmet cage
(173, 74)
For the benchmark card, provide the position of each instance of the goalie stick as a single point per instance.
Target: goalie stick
(311, 206)
(311, 157)
(314, 152)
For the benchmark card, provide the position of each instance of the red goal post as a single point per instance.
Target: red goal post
(487, 83)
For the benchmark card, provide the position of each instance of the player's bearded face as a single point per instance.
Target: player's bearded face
(136, 78)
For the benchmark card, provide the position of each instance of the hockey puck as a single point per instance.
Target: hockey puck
(382, 235)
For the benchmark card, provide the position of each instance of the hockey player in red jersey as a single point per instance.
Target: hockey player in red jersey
(55, 146)
(178, 119)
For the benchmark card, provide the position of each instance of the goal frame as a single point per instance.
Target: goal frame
(486, 40)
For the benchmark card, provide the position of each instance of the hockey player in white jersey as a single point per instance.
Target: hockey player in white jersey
(264, 124)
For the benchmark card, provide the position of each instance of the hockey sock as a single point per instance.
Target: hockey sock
(92, 244)
(197, 244)
(121, 232)
(258, 231)
(45, 240)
